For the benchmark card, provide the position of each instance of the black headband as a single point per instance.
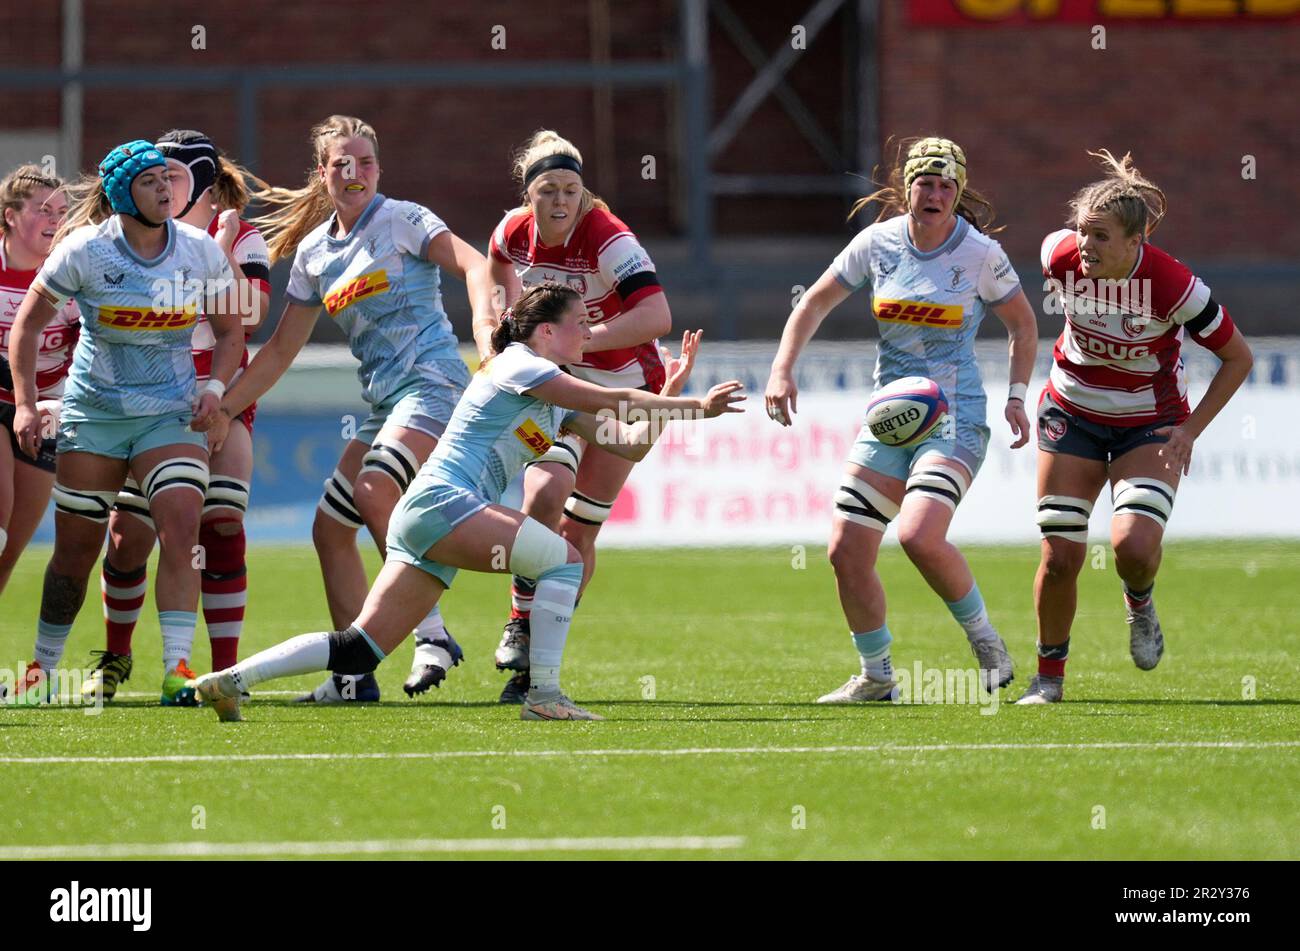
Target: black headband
(548, 164)
(196, 152)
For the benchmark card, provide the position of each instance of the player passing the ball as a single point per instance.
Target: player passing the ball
(1115, 406)
(934, 274)
(563, 232)
(449, 518)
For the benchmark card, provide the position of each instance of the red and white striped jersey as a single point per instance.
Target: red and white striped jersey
(603, 261)
(254, 260)
(1117, 361)
(58, 339)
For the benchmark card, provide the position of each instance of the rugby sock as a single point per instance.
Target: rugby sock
(873, 648)
(177, 636)
(430, 638)
(971, 614)
(553, 602)
(50, 641)
(522, 591)
(224, 583)
(1137, 600)
(303, 654)
(1052, 658)
(123, 600)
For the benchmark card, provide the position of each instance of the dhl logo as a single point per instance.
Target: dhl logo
(367, 285)
(532, 437)
(914, 312)
(144, 318)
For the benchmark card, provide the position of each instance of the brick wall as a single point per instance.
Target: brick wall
(1188, 101)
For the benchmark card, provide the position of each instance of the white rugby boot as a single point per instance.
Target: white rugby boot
(861, 689)
(218, 691)
(556, 708)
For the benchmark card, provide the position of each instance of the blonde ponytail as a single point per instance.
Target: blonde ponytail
(87, 205)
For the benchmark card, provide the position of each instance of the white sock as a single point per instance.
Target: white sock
(552, 613)
(298, 655)
(426, 632)
(973, 616)
(177, 636)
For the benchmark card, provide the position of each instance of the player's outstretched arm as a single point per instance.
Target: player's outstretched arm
(290, 336)
(782, 396)
(633, 441)
(455, 256)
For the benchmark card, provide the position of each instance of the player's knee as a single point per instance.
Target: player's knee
(1063, 559)
(921, 544)
(537, 550)
(1137, 547)
(860, 503)
(850, 553)
(374, 497)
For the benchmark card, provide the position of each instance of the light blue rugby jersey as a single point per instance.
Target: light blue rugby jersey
(379, 288)
(929, 304)
(496, 428)
(133, 357)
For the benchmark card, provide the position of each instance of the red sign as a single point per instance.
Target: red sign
(1020, 12)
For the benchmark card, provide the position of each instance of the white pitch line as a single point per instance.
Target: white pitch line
(687, 751)
(145, 694)
(128, 850)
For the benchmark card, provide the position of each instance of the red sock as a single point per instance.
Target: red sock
(521, 598)
(124, 593)
(1051, 660)
(224, 583)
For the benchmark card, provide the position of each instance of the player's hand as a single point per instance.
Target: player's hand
(723, 398)
(205, 412)
(217, 430)
(1177, 452)
(1018, 421)
(227, 230)
(678, 368)
(27, 429)
(782, 397)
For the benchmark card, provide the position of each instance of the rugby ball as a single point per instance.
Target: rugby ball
(907, 411)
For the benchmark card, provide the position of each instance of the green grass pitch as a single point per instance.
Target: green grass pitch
(1194, 760)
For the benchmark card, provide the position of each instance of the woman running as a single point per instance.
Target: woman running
(32, 204)
(1115, 406)
(373, 263)
(205, 184)
(131, 398)
(563, 232)
(449, 519)
(927, 250)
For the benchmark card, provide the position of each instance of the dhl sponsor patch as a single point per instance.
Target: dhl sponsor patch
(531, 436)
(367, 285)
(946, 316)
(146, 318)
